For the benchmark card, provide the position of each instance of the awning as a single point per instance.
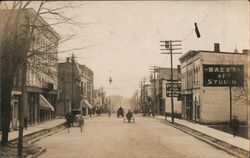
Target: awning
(85, 103)
(44, 104)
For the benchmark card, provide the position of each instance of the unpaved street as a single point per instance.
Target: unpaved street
(105, 137)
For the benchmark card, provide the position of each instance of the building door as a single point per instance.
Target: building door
(14, 112)
(189, 107)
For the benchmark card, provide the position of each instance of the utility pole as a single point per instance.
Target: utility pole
(154, 100)
(64, 104)
(137, 102)
(144, 96)
(230, 103)
(169, 47)
(141, 98)
(23, 105)
(73, 81)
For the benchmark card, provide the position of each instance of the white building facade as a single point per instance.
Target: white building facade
(214, 86)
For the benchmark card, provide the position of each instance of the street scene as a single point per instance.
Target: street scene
(113, 138)
(142, 79)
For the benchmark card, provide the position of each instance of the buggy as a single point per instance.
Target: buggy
(76, 115)
(120, 112)
(129, 117)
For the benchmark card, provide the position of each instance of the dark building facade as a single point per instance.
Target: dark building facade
(41, 77)
(75, 83)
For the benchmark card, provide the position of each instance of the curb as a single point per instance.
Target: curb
(46, 135)
(43, 149)
(175, 125)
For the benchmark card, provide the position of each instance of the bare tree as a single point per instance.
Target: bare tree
(18, 51)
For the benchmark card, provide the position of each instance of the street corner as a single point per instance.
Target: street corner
(39, 152)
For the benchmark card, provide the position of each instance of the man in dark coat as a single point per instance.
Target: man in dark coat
(129, 115)
(235, 125)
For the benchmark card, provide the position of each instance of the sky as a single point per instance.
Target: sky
(122, 39)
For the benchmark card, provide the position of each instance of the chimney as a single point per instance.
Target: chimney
(67, 59)
(245, 51)
(216, 47)
(178, 72)
(179, 69)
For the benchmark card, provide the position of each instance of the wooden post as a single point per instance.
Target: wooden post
(230, 103)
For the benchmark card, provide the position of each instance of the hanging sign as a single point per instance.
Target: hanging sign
(176, 88)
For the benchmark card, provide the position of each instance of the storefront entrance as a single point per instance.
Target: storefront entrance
(189, 106)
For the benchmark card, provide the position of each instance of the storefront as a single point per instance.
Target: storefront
(45, 109)
(214, 86)
(15, 103)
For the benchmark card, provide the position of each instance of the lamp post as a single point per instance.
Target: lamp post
(110, 106)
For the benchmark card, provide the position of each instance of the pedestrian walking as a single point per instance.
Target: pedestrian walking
(81, 122)
(68, 120)
(90, 112)
(150, 112)
(129, 115)
(235, 126)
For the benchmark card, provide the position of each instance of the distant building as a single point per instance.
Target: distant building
(163, 101)
(100, 101)
(41, 68)
(69, 84)
(135, 102)
(206, 80)
(76, 87)
(87, 82)
(147, 98)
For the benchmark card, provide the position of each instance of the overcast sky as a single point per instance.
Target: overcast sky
(125, 36)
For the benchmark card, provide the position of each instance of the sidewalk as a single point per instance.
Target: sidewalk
(32, 129)
(223, 136)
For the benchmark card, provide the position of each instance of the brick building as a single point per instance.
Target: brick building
(76, 87)
(69, 85)
(206, 80)
(100, 99)
(87, 78)
(42, 41)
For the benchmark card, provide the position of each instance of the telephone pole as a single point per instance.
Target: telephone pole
(73, 81)
(64, 104)
(137, 102)
(23, 107)
(156, 108)
(169, 47)
(143, 96)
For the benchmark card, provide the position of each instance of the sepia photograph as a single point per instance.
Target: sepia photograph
(125, 79)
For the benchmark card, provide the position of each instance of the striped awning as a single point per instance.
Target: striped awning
(44, 104)
(85, 103)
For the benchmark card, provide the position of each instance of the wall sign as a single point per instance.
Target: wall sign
(223, 75)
